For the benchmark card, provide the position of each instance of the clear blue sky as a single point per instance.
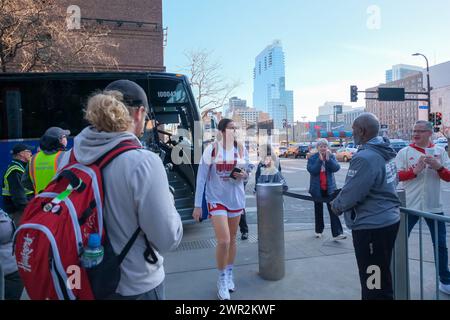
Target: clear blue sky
(328, 45)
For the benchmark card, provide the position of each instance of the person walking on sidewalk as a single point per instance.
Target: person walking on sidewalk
(370, 205)
(222, 170)
(421, 167)
(322, 187)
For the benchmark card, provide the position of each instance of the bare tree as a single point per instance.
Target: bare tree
(210, 87)
(34, 37)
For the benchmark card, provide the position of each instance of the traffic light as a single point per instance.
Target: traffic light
(432, 118)
(353, 93)
(438, 119)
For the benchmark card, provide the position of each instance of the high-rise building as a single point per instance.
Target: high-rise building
(398, 116)
(330, 111)
(269, 85)
(401, 71)
(233, 105)
(236, 103)
(348, 117)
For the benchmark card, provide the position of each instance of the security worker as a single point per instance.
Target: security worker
(15, 195)
(43, 165)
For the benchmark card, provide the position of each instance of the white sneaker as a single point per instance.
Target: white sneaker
(230, 283)
(318, 235)
(222, 289)
(445, 288)
(340, 237)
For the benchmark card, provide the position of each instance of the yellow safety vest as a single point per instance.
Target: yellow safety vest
(42, 169)
(14, 165)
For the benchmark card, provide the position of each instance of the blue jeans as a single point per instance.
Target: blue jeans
(444, 273)
(157, 293)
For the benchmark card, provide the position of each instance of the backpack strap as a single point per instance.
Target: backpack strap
(122, 147)
(149, 252)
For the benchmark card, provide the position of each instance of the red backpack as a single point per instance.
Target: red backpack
(55, 229)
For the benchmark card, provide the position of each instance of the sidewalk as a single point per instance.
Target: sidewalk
(320, 269)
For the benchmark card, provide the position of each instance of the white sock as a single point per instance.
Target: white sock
(229, 268)
(222, 273)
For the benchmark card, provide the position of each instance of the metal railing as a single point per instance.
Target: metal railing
(401, 274)
(400, 256)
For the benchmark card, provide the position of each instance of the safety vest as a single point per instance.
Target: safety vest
(42, 169)
(14, 165)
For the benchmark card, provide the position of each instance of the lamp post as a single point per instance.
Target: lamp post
(428, 82)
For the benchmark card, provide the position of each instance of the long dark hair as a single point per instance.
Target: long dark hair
(222, 127)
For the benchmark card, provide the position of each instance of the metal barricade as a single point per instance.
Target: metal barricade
(399, 256)
(400, 260)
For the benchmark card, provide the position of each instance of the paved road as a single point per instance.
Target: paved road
(299, 211)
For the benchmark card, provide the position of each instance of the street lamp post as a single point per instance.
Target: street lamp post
(428, 82)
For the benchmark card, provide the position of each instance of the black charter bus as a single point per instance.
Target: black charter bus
(32, 102)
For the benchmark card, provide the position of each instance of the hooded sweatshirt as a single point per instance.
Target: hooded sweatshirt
(136, 194)
(369, 199)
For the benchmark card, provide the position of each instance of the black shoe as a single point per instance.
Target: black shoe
(244, 236)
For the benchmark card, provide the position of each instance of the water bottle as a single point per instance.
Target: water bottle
(93, 253)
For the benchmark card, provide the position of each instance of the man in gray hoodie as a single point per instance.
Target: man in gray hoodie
(371, 207)
(136, 188)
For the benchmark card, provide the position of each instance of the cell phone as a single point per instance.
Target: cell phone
(236, 169)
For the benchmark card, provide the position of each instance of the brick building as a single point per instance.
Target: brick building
(135, 36)
(398, 116)
(136, 27)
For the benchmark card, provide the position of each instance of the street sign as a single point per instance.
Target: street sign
(391, 94)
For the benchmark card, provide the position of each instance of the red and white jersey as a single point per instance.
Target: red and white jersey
(214, 171)
(423, 192)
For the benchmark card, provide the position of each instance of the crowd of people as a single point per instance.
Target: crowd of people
(368, 200)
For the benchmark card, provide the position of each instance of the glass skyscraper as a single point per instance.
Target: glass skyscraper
(269, 85)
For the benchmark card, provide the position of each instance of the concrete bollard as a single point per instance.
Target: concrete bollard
(400, 266)
(269, 202)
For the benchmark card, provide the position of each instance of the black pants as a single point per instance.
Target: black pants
(373, 250)
(243, 223)
(13, 286)
(336, 226)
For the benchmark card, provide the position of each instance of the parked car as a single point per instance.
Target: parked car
(398, 144)
(311, 153)
(350, 144)
(334, 146)
(345, 154)
(297, 151)
(291, 151)
(302, 150)
(281, 151)
(442, 142)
